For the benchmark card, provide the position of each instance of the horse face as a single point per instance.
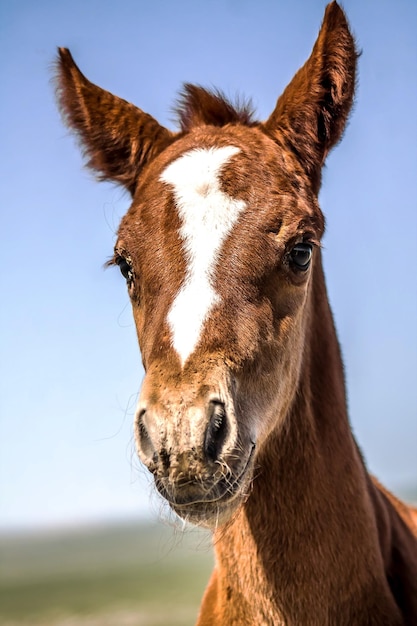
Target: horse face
(219, 243)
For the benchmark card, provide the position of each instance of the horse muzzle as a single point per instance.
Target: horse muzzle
(201, 460)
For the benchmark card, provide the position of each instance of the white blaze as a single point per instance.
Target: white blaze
(207, 215)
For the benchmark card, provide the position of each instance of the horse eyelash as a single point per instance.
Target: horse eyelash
(314, 242)
(305, 238)
(110, 262)
(117, 255)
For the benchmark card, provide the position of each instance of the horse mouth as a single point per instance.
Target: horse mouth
(213, 503)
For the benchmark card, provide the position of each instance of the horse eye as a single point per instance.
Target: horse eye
(125, 268)
(300, 256)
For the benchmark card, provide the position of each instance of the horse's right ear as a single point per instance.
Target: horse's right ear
(117, 137)
(311, 114)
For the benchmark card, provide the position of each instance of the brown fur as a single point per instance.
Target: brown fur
(199, 107)
(303, 535)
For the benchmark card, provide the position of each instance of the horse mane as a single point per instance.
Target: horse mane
(197, 106)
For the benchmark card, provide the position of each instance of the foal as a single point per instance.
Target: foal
(242, 416)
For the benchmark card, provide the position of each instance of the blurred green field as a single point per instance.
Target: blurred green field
(131, 575)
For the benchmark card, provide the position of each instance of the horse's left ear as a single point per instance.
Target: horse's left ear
(118, 137)
(312, 112)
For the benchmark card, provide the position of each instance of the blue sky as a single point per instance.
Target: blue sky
(70, 366)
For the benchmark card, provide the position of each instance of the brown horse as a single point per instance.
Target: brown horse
(242, 417)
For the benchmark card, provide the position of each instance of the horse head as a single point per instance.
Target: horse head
(220, 249)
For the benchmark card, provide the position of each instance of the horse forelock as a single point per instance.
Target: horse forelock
(197, 106)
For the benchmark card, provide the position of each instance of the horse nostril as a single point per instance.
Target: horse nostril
(217, 430)
(144, 438)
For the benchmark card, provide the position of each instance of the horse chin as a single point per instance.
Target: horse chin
(211, 502)
(210, 515)
(219, 510)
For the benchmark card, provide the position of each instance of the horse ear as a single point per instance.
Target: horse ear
(312, 112)
(117, 137)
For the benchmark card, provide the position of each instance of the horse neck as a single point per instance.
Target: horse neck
(312, 456)
(296, 529)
